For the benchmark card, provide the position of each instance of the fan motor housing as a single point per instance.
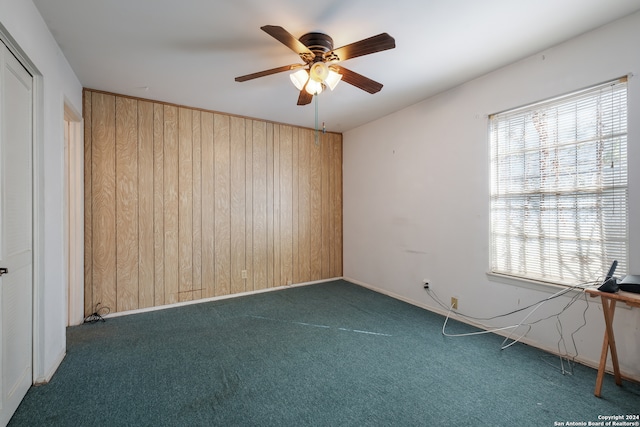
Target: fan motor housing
(317, 42)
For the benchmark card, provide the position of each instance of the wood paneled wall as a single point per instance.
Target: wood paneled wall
(183, 204)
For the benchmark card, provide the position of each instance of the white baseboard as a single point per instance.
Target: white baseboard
(52, 370)
(218, 298)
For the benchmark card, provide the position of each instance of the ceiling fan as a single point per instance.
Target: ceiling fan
(320, 69)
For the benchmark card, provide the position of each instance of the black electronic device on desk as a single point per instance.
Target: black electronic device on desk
(610, 283)
(630, 283)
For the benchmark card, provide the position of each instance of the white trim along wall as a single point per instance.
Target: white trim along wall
(416, 196)
(74, 214)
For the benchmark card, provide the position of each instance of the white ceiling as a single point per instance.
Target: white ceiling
(188, 52)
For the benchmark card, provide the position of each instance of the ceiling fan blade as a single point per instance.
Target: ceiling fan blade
(304, 98)
(364, 47)
(284, 37)
(357, 80)
(268, 72)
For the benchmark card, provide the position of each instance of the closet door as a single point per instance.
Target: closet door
(16, 240)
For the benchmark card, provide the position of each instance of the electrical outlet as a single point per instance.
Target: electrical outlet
(454, 303)
(244, 274)
(425, 283)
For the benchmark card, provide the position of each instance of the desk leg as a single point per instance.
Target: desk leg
(608, 309)
(603, 362)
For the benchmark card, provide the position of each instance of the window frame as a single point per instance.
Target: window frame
(528, 279)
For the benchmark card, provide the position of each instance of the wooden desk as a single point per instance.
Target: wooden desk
(608, 309)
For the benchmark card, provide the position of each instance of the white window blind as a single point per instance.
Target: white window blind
(559, 187)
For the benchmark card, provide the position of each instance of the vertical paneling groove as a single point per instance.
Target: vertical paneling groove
(185, 207)
(222, 202)
(259, 205)
(325, 148)
(276, 206)
(145, 206)
(171, 260)
(270, 172)
(248, 170)
(179, 201)
(126, 204)
(197, 206)
(158, 203)
(103, 203)
(295, 185)
(304, 205)
(237, 195)
(315, 210)
(286, 207)
(208, 236)
(88, 197)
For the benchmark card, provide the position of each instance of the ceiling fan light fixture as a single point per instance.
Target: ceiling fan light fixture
(313, 87)
(332, 79)
(299, 78)
(319, 71)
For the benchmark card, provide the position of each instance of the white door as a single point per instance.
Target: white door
(16, 285)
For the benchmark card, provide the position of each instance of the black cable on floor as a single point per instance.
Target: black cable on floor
(97, 315)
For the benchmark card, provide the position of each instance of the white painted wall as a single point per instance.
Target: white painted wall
(416, 192)
(57, 84)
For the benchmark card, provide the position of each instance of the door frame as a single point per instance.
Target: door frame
(38, 367)
(74, 214)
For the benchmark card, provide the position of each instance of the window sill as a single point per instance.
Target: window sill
(535, 285)
(546, 287)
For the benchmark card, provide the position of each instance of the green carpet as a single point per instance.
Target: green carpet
(331, 354)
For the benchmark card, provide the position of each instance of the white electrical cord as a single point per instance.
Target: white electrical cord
(560, 292)
(468, 334)
(513, 328)
(504, 347)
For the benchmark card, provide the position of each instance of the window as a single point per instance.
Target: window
(559, 187)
